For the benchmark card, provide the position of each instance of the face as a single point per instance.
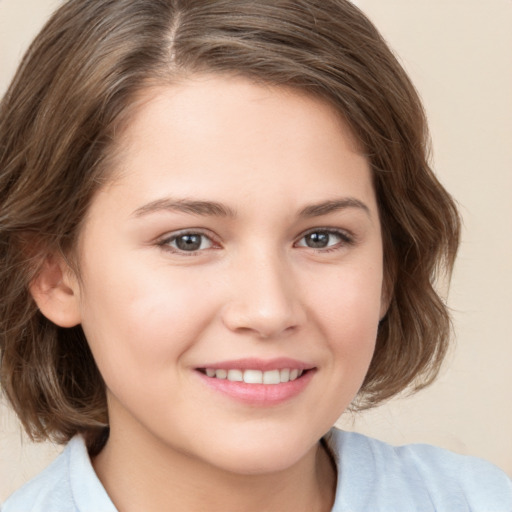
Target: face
(232, 273)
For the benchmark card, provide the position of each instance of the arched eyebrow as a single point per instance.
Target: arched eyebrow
(194, 207)
(215, 209)
(333, 205)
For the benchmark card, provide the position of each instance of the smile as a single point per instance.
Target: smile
(270, 377)
(258, 382)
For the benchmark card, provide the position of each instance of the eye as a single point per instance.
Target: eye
(187, 242)
(324, 239)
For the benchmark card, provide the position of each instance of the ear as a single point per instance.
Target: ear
(386, 297)
(56, 292)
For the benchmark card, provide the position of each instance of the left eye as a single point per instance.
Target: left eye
(322, 239)
(189, 242)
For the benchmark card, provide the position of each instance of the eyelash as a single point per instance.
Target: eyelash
(346, 239)
(165, 242)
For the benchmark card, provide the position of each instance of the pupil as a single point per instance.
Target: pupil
(189, 242)
(317, 240)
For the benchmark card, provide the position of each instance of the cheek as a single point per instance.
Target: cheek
(349, 303)
(346, 308)
(143, 320)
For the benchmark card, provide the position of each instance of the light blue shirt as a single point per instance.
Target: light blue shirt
(372, 477)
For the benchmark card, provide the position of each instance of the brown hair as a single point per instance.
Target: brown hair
(65, 105)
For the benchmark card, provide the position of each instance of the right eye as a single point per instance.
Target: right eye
(189, 242)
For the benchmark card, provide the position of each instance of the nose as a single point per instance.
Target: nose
(264, 300)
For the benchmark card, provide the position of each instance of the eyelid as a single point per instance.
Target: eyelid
(347, 237)
(164, 241)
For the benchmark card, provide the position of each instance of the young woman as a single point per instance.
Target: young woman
(219, 230)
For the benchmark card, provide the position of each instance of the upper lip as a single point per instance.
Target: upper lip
(259, 364)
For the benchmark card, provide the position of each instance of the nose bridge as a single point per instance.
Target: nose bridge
(263, 298)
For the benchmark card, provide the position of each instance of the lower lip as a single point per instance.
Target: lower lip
(259, 394)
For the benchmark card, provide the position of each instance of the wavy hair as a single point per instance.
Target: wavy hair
(73, 92)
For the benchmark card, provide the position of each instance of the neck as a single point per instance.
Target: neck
(152, 477)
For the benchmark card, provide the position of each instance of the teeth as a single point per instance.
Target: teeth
(253, 377)
(221, 374)
(272, 377)
(256, 376)
(235, 375)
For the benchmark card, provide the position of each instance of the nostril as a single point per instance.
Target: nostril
(264, 323)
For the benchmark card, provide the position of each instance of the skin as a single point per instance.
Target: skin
(153, 313)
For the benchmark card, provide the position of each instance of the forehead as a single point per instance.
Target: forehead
(230, 137)
(233, 100)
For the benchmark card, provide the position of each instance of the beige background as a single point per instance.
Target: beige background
(459, 54)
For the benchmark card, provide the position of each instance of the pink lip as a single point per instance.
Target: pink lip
(262, 395)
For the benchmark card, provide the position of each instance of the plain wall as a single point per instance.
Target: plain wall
(459, 55)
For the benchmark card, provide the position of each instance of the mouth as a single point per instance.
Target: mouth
(253, 376)
(257, 382)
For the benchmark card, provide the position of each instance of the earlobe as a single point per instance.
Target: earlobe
(55, 291)
(385, 299)
(384, 306)
(383, 312)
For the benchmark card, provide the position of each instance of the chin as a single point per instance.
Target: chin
(259, 456)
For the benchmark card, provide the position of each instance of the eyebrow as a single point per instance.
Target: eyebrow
(195, 207)
(215, 209)
(326, 207)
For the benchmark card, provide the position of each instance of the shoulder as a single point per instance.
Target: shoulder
(374, 475)
(69, 484)
(51, 487)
